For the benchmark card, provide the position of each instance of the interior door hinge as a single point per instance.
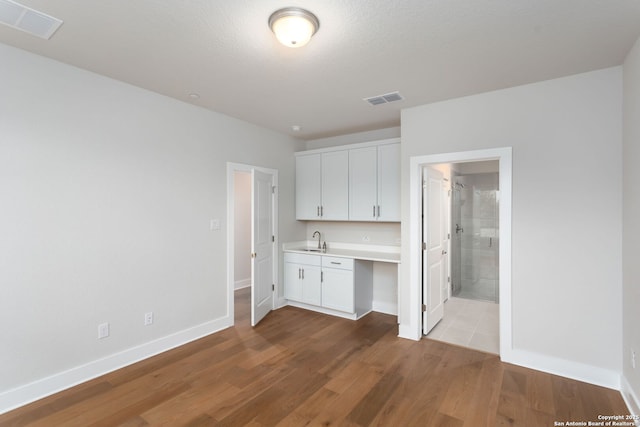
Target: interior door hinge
(449, 279)
(424, 246)
(273, 189)
(273, 238)
(273, 287)
(424, 307)
(253, 255)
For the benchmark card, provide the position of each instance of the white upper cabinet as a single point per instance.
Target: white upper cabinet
(335, 186)
(374, 183)
(349, 183)
(389, 182)
(308, 186)
(363, 184)
(322, 186)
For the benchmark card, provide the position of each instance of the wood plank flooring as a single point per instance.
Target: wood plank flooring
(299, 368)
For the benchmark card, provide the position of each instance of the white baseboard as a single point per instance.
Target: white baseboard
(14, 398)
(385, 307)
(408, 332)
(564, 368)
(241, 284)
(279, 303)
(630, 397)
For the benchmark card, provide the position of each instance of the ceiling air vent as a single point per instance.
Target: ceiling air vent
(384, 99)
(28, 20)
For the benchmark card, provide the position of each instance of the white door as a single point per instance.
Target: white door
(261, 245)
(433, 268)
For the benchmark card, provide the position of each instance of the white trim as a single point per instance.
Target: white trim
(630, 397)
(566, 368)
(20, 396)
(413, 328)
(348, 146)
(324, 310)
(231, 168)
(241, 284)
(385, 307)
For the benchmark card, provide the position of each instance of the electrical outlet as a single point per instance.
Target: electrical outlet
(103, 330)
(148, 318)
(633, 359)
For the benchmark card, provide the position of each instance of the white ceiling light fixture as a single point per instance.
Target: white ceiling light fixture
(293, 26)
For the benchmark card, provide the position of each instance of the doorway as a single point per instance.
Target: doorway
(475, 231)
(252, 241)
(415, 288)
(469, 243)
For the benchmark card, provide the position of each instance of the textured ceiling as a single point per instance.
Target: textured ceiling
(429, 50)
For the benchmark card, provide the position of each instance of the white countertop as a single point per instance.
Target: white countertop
(377, 253)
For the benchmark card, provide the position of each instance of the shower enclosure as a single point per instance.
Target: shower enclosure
(474, 236)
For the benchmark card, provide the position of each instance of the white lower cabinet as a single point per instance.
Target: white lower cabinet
(343, 285)
(302, 278)
(338, 291)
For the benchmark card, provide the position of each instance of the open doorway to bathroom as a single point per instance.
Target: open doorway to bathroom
(471, 306)
(475, 199)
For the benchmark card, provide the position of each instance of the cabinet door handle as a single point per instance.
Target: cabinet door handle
(374, 211)
(299, 273)
(336, 263)
(303, 274)
(317, 210)
(321, 210)
(378, 211)
(322, 276)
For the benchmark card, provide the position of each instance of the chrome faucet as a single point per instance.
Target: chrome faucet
(319, 237)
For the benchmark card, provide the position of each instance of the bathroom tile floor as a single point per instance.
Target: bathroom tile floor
(469, 323)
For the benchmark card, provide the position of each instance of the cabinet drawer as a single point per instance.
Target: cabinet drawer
(336, 262)
(302, 259)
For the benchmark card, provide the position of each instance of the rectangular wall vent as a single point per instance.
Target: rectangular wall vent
(384, 99)
(28, 20)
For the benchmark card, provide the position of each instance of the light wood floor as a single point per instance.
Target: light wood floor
(301, 368)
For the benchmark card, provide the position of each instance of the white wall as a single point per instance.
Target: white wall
(631, 227)
(567, 198)
(362, 233)
(242, 229)
(107, 191)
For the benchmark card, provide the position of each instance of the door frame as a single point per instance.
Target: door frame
(416, 164)
(231, 169)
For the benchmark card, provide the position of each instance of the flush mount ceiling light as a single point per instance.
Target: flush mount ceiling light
(293, 26)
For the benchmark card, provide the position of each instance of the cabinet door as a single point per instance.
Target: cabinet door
(308, 186)
(338, 290)
(389, 182)
(311, 286)
(335, 185)
(363, 184)
(293, 281)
